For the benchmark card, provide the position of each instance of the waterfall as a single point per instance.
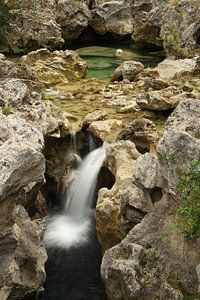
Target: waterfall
(72, 227)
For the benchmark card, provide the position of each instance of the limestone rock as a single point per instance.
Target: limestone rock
(160, 100)
(23, 255)
(22, 165)
(55, 67)
(175, 22)
(10, 69)
(127, 70)
(170, 69)
(120, 160)
(153, 194)
(35, 25)
(25, 96)
(143, 133)
(180, 142)
(98, 115)
(104, 129)
(114, 17)
(73, 18)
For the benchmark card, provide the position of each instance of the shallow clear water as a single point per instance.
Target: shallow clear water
(102, 60)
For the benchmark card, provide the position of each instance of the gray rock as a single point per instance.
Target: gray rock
(73, 17)
(127, 70)
(113, 17)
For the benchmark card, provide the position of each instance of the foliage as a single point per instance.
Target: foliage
(189, 210)
(7, 15)
(151, 258)
(172, 42)
(7, 110)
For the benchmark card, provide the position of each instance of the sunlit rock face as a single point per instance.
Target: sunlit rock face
(147, 262)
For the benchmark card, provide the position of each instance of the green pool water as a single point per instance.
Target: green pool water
(102, 60)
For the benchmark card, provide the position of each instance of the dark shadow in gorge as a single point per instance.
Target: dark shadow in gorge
(75, 273)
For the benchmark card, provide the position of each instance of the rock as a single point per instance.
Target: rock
(104, 129)
(143, 133)
(56, 67)
(170, 69)
(10, 69)
(149, 83)
(127, 70)
(120, 160)
(23, 163)
(35, 26)
(26, 97)
(98, 115)
(175, 23)
(114, 17)
(160, 100)
(150, 217)
(22, 252)
(73, 17)
(180, 142)
(22, 168)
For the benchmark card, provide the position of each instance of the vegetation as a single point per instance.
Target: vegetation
(189, 210)
(7, 110)
(151, 258)
(172, 42)
(7, 15)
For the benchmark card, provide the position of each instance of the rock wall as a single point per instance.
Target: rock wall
(154, 260)
(171, 23)
(24, 121)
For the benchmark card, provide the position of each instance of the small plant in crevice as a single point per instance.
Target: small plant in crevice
(151, 258)
(7, 110)
(189, 209)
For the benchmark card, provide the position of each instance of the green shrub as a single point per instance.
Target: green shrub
(7, 15)
(189, 210)
(7, 110)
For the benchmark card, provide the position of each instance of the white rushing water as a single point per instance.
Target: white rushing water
(72, 227)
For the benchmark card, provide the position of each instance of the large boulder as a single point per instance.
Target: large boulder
(34, 26)
(127, 70)
(56, 67)
(143, 133)
(161, 100)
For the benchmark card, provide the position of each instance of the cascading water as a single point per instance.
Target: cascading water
(74, 254)
(73, 225)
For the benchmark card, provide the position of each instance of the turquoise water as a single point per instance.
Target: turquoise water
(102, 60)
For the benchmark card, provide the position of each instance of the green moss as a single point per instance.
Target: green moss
(189, 210)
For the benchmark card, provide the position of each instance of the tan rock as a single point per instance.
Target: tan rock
(105, 129)
(120, 160)
(143, 133)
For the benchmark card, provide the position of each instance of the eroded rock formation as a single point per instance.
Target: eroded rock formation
(152, 257)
